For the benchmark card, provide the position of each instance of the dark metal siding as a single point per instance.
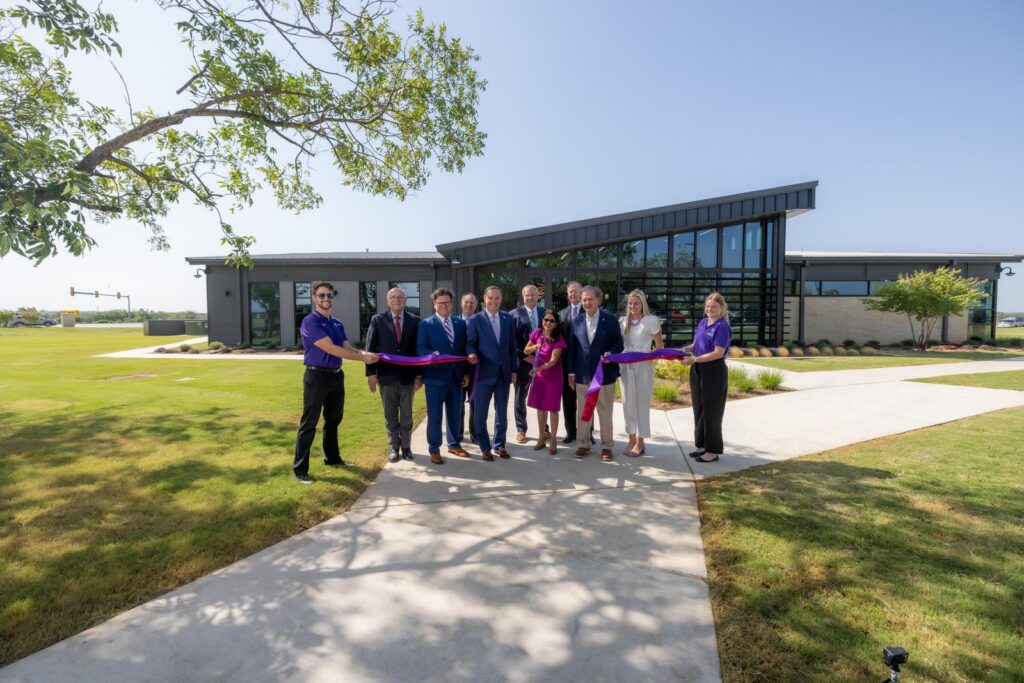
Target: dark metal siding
(222, 297)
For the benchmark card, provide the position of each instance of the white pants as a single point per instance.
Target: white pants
(637, 387)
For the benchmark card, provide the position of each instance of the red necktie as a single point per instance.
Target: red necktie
(398, 328)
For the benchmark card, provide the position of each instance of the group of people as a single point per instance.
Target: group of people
(470, 361)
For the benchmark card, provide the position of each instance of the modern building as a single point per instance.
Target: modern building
(676, 254)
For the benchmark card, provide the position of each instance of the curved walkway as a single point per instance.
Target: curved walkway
(538, 568)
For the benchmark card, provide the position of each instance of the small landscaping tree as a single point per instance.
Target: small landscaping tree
(5, 317)
(29, 315)
(925, 297)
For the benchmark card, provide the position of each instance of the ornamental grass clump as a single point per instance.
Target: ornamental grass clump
(216, 346)
(782, 352)
(813, 351)
(735, 352)
(185, 348)
(869, 351)
(740, 381)
(840, 351)
(751, 352)
(666, 392)
(764, 353)
(770, 379)
(796, 352)
(852, 352)
(827, 351)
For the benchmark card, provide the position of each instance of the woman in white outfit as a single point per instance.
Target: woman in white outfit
(640, 332)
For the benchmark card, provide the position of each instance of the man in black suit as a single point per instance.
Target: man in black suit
(595, 333)
(527, 318)
(394, 331)
(468, 306)
(566, 316)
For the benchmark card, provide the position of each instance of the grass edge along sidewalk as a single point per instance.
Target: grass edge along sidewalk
(126, 478)
(914, 540)
(890, 359)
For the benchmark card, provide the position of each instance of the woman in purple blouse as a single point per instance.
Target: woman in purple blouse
(709, 377)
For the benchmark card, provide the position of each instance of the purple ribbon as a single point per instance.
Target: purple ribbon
(431, 359)
(597, 381)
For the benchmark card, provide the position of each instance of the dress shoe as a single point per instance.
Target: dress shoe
(569, 439)
(701, 459)
(335, 463)
(406, 454)
(521, 437)
(502, 453)
(303, 478)
(581, 452)
(553, 448)
(459, 451)
(486, 455)
(394, 457)
(436, 459)
(696, 454)
(606, 454)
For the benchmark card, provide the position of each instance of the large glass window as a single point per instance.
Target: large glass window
(707, 248)
(844, 287)
(598, 257)
(732, 246)
(657, 252)
(367, 307)
(753, 247)
(875, 284)
(265, 314)
(412, 295)
(633, 254)
(507, 281)
(683, 254)
(769, 240)
(609, 285)
(554, 260)
(303, 307)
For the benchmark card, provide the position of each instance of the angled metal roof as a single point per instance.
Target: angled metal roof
(893, 256)
(789, 199)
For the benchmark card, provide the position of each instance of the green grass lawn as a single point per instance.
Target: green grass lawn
(124, 478)
(1013, 379)
(1007, 332)
(914, 540)
(890, 359)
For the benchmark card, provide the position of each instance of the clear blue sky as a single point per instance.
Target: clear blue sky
(908, 113)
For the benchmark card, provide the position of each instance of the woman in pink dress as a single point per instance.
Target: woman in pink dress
(546, 389)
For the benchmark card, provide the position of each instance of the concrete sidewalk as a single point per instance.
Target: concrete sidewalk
(538, 568)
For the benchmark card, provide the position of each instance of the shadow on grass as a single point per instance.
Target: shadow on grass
(811, 564)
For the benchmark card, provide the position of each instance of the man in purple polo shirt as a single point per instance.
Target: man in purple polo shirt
(323, 386)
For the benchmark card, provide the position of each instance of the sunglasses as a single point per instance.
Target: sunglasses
(549, 320)
(324, 296)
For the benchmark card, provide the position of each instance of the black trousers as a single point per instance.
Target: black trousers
(568, 405)
(322, 392)
(709, 387)
(467, 407)
(522, 391)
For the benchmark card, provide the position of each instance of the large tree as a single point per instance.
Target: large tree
(926, 297)
(272, 85)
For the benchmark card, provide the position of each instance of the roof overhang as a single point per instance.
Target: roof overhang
(359, 258)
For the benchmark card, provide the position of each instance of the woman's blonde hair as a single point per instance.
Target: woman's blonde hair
(720, 300)
(645, 309)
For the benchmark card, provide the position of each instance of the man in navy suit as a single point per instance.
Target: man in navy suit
(443, 333)
(491, 342)
(527, 318)
(468, 305)
(394, 331)
(593, 335)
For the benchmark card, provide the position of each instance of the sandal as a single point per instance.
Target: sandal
(553, 448)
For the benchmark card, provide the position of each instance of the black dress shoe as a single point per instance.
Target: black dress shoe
(701, 459)
(406, 454)
(696, 454)
(336, 463)
(394, 457)
(569, 439)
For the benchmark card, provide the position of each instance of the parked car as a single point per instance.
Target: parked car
(17, 321)
(1011, 322)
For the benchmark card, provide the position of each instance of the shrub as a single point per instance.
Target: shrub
(666, 392)
(193, 350)
(813, 351)
(975, 340)
(159, 349)
(849, 342)
(826, 351)
(671, 370)
(869, 351)
(185, 348)
(740, 381)
(873, 342)
(821, 343)
(932, 342)
(770, 380)
(796, 352)
(907, 342)
(215, 346)
(782, 351)
(735, 352)
(751, 352)
(790, 345)
(1015, 342)
(840, 351)
(852, 351)
(764, 353)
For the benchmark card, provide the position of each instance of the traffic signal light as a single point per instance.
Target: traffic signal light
(119, 295)
(97, 294)
(72, 291)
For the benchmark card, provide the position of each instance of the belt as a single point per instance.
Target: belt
(317, 368)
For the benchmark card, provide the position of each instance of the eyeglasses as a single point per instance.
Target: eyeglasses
(324, 296)
(549, 320)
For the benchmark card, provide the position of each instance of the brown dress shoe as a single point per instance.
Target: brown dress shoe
(606, 454)
(487, 456)
(436, 459)
(459, 451)
(521, 437)
(581, 452)
(502, 453)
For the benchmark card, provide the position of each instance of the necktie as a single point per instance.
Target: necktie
(496, 327)
(448, 331)
(575, 312)
(533, 320)
(398, 328)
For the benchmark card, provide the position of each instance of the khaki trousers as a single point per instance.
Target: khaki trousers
(603, 414)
